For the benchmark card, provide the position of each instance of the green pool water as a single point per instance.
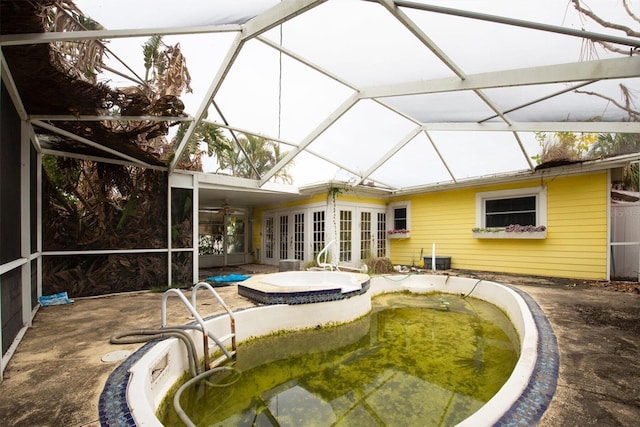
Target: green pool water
(415, 360)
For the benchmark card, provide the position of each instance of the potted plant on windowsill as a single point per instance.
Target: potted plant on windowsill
(399, 233)
(513, 231)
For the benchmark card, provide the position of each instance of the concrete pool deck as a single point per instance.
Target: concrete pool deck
(56, 374)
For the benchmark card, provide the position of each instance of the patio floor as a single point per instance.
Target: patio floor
(56, 374)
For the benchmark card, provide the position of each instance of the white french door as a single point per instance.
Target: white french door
(362, 234)
(284, 237)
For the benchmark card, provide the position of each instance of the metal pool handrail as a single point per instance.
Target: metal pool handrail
(364, 269)
(324, 251)
(205, 332)
(232, 318)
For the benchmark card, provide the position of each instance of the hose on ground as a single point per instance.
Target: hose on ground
(394, 278)
(144, 335)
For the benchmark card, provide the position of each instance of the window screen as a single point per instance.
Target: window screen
(400, 218)
(508, 211)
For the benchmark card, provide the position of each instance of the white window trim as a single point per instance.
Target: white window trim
(541, 203)
(391, 214)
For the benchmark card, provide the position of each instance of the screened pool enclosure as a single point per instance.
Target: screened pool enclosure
(127, 127)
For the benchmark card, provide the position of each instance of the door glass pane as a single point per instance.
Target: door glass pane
(284, 237)
(269, 243)
(210, 233)
(381, 249)
(298, 236)
(318, 232)
(345, 236)
(235, 235)
(365, 235)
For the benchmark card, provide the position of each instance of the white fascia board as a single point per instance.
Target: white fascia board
(182, 180)
(206, 179)
(213, 181)
(590, 127)
(617, 68)
(324, 187)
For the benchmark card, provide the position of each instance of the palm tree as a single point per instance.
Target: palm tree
(206, 134)
(252, 157)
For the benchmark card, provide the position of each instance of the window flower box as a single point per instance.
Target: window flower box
(511, 232)
(398, 234)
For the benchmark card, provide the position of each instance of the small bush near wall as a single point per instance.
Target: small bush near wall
(379, 266)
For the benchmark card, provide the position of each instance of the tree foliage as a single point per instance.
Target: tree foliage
(567, 147)
(253, 156)
(563, 146)
(80, 59)
(89, 205)
(616, 144)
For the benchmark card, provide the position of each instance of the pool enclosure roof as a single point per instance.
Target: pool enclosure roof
(395, 95)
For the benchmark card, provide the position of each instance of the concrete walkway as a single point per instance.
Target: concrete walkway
(56, 375)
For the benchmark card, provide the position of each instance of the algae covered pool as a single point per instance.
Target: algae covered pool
(414, 360)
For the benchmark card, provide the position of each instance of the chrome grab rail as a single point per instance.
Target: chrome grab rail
(203, 328)
(232, 318)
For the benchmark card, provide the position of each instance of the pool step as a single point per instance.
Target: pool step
(224, 357)
(220, 360)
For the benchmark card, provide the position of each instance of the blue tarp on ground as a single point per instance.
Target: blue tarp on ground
(55, 299)
(228, 278)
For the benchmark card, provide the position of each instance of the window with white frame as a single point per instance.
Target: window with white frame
(504, 208)
(400, 217)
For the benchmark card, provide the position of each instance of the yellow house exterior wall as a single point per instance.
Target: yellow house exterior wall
(575, 246)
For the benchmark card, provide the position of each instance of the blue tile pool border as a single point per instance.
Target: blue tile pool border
(536, 397)
(114, 409)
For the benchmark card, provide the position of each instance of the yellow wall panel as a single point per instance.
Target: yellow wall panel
(575, 246)
(349, 197)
